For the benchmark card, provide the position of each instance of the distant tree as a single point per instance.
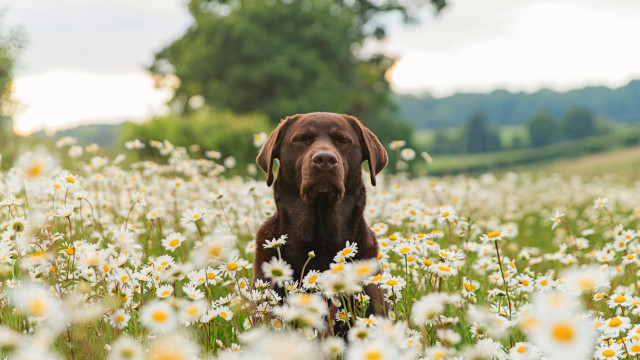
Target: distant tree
(479, 135)
(10, 43)
(518, 142)
(543, 129)
(441, 143)
(579, 123)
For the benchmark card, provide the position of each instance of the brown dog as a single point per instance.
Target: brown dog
(319, 192)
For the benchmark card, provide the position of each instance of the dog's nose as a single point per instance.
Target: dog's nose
(325, 160)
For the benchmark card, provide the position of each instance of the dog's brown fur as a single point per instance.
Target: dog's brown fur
(319, 201)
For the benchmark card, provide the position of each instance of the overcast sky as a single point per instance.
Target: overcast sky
(85, 59)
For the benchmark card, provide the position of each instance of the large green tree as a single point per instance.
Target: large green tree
(281, 57)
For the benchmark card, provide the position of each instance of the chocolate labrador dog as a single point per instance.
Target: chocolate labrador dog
(319, 192)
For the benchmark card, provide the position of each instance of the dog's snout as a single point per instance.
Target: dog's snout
(324, 160)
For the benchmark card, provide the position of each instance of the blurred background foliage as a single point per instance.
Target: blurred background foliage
(226, 132)
(11, 41)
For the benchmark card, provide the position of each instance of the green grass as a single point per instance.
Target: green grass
(517, 159)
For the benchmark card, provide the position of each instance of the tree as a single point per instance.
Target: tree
(10, 43)
(543, 129)
(578, 123)
(281, 57)
(479, 135)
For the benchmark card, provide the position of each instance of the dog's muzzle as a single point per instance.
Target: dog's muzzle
(323, 175)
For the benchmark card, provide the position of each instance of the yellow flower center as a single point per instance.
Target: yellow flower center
(337, 268)
(35, 169)
(174, 242)
(159, 316)
(445, 214)
(69, 251)
(444, 268)
(620, 299)
(37, 307)
(635, 348)
(70, 179)
(586, 283)
(363, 269)
(345, 252)
(192, 310)
(373, 355)
(223, 314)
(215, 251)
(392, 282)
(608, 353)
(119, 318)
(563, 332)
(232, 266)
(522, 349)
(493, 234)
(166, 293)
(615, 322)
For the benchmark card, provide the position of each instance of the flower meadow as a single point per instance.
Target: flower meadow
(153, 260)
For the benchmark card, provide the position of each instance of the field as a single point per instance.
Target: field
(618, 146)
(153, 260)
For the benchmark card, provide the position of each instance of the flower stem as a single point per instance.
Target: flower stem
(506, 287)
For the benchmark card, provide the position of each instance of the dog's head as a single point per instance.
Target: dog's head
(321, 153)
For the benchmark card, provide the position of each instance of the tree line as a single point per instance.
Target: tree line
(479, 134)
(506, 108)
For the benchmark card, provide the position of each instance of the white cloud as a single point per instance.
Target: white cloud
(95, 35)
(57, 99)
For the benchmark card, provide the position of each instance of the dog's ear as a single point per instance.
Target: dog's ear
(271, 149)
(372, 149)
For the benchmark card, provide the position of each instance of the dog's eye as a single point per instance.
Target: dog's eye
(303, 139)
(342, 139)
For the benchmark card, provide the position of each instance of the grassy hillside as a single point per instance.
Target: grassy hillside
(623, 163)
(105, 135)
(516, 159)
